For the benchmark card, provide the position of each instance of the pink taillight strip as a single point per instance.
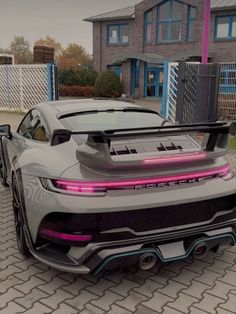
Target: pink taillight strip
(175, 159)
(65, 236)
(93, 187)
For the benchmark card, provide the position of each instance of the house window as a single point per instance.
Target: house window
(148, 27)
(116, 69)
(225, 27)
(118, 34)
(169, 21)
(192, 12)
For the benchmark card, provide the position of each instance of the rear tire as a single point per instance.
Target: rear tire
(19, 221)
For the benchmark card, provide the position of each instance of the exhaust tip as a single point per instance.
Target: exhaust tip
(147, 261)
(200, 250)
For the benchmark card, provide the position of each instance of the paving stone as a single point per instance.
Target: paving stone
(124, 287)
(219, 266)
(197, 266)
(163, 276)
(52, 286)
(10, 260)
(169, 310)
(48, 275)
(222, 311)
(65, 309)
(148, 288)
(27, 286)
(227, 256)
(55, 299)
(196, 289)
(177, 266)
(221, 290)
(100, 287)
(132, 301)
(229, 277)
(8, 296)
(172, 289)
(81, 300)
(209, 303)
(185, 277)
(30, 272)
(90, 309)
(183, 302)
(29, 299)
(194, 310)
(140, 276)
(8, 283)
(230, 304)
(157, 302)
(208, 277)
(115, 309)
(12, 308)
(75, 287)
(144, 310)
(39, 308)
(106, 301)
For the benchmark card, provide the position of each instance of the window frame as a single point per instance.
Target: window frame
(230, 24)
(169, 22)
(45, 122)
(118, 25)
(146, 24)
(189, 21)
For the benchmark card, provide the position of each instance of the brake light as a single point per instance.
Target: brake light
(175, 159)
(103, 186)
(47, 233)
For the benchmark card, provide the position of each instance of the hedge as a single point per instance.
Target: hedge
(77, 91)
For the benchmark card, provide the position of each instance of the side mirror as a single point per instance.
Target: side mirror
(60, 136)
(5, 130)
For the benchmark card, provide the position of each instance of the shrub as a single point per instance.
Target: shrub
(108, 84)
(72, 77)
(77, 91)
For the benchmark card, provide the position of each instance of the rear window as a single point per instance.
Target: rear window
(111, 120)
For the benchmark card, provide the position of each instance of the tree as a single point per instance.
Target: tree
(50, 42)
(74, 56)
(20, 47)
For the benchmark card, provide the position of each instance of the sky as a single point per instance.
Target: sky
(61, 19)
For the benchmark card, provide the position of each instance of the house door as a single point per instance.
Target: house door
(154, 82)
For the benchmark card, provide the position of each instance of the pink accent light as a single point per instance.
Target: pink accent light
(65, 236)
(175, 159)
(94, 187)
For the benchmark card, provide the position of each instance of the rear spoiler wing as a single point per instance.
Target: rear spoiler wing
(218, 133)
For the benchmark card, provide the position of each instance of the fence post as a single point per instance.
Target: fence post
(8, 87)
(165, 85)
(56, 84)
(180, 91)
(50, 81)
(21, 89)
(214, 92)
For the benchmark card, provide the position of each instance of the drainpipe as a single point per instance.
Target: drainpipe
(206, 31)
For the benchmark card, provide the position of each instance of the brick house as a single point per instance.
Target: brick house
(136, 41)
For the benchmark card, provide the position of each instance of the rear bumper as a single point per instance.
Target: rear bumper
(166, 247)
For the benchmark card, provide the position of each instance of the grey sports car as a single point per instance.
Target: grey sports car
(101, 183)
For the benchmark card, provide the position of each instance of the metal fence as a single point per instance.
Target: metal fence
(227, 91)
(196, 92)
(23, 86)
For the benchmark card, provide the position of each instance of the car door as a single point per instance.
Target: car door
(32, 131)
